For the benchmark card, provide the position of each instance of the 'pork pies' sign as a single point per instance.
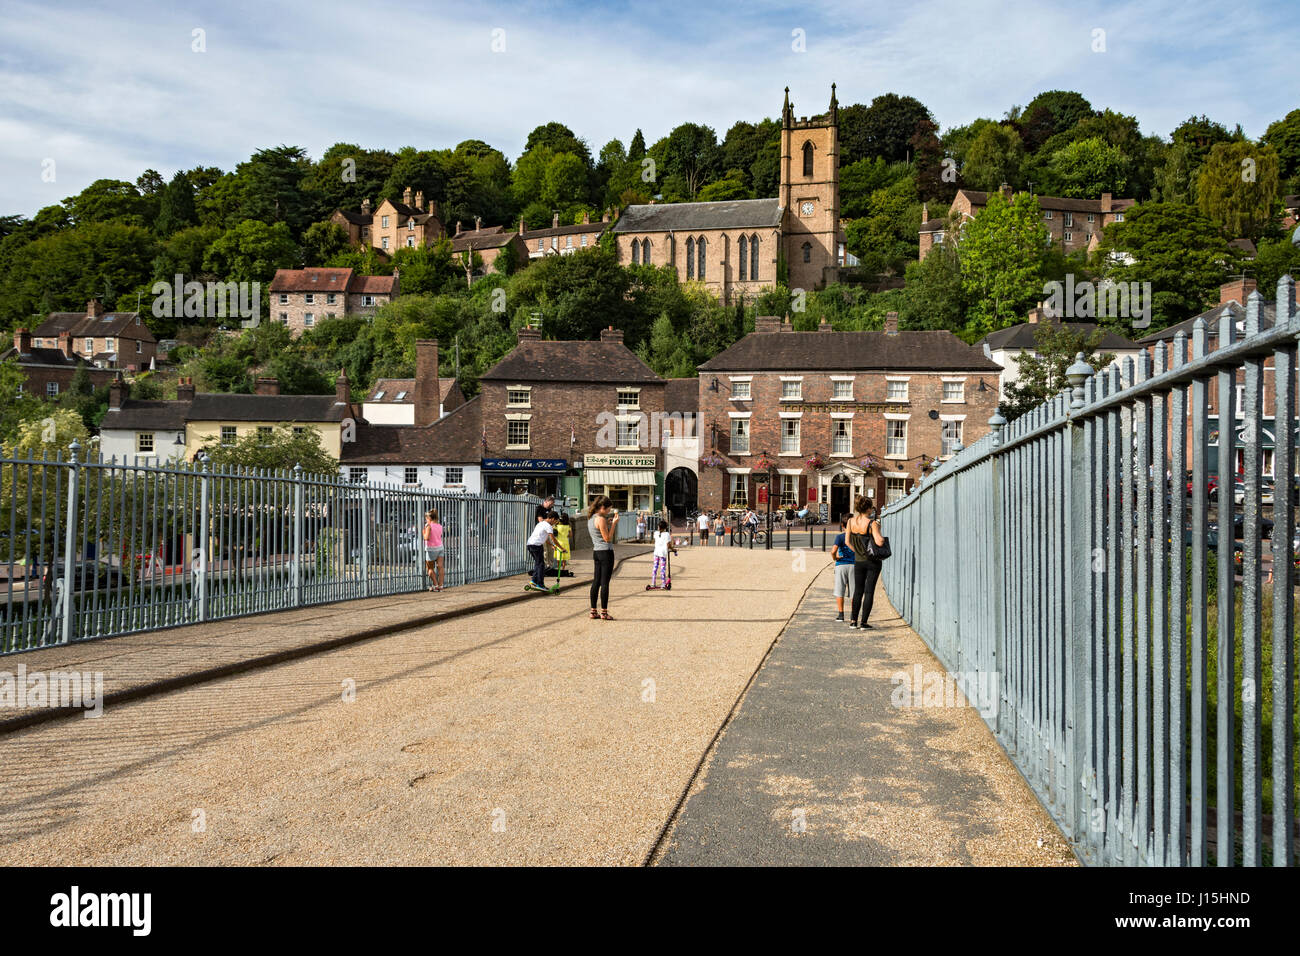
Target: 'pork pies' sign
(618, 461)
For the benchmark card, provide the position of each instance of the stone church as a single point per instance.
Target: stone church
(733, 247)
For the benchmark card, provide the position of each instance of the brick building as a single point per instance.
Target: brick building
(835, 414)
(443, 455)
(557, 240)
(48, 372)
(1073, 224)
(477, 249)
(302, 298)
(734, 247)
(575, 419)
(110, 340)
(392, 225)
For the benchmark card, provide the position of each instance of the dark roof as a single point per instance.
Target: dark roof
(331, 280)
(1022, 336)
(410, 212)
(685, 216)
(850, 351)
(682, 395)
(978, 198)
(140, 414)
(455, 439)
(220, 406)
(79, 324)
(932, 225)
(1245, 245)
(356, 218)
(42, 356)
(490, 238)
(391, 387)
(564, 230)
(537, 360)
(1267, 312)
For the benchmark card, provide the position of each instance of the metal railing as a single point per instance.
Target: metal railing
(1144, 660)
(155, 546)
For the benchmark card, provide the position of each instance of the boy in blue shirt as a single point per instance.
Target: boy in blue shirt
(843, 555)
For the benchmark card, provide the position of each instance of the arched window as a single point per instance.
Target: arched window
(807, 158)
(690, 258)
(699, 248)
(636, 251)
(645, 251)
(807, 252)
(742, 244)
(753, 258)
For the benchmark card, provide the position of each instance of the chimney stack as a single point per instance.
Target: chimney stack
(23, 341)
(925, 213)
(529, 334)
(611, 334)
(586, 217)
(1105, 202)
(406, 196)
(365, 206)
(65, 344)
(478, 223)
(521, 226)
(428, 394)
(1005, 190)
(767, 323)
(93, 308)
(266, 385)
(419, 199)
(891, 323)
(116, 392)
(555, 220)
(458, 227)
(824, 326)
(185, 390)
(605, 215)
(342, 394)
(1237, 290)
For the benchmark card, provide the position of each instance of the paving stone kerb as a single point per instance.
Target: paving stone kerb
(819, 766)
(156, 662)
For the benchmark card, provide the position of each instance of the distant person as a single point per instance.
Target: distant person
(862, 527)
(844, 563)
(717, 528)
(640, 526)
(663, 544)
(540, 513)
(602, 526)
(433, 563)
(563, 540)
(703, 523)
(543, 534)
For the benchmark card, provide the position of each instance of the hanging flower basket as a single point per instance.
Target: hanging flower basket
(712, 460)
(866, 464)
(763, 464)
(815, 462)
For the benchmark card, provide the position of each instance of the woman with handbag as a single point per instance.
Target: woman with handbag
(870, 548)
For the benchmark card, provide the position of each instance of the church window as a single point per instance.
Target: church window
(807, 159)
(690, 258)
(645, 252)
(743, 246)
(807, 252)
(636, 251)
(699, 248)
(753, 258)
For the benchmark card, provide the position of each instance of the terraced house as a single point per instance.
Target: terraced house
(111, 340)
(302, 298)
(392, 225)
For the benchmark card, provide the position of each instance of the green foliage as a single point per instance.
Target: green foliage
(251, 252)
(885, 128)
(730, 186)
(108, 200)
(861, 180)
(1274, 259)
(934, 297)
(885, 239)
(322, 242)
(1065, 107)
(1177, 250)
(993, 156)
(176, 209)
(1237, 186)
(1042, 375)
(1086, 168)
(281, 449)
(1001, 256)
(689, 157)
(1284, 138)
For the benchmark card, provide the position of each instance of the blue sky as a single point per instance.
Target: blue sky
(107, 91)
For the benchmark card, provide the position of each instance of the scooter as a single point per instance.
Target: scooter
(668, 576)
(554, 588)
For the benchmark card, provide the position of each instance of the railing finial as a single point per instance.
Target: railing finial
(1078, 373)
(997, 423)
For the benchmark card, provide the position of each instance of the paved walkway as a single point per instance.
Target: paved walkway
(818, 767)
(136, 663)
(525, 734)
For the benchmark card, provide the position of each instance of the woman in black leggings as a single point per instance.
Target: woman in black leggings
(863, 526)
(602, 526)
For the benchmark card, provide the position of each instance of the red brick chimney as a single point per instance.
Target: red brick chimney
(528, 334)
(419, 200)
(1237, 290)
(365, 207)
(185, 390)
(427, 392)
(93, 308)
(555, 220)
(586, 217)
(406, 196)
(22, 341)
(65, 343)
(1105, 202)
(767, 323)
(611, 334)
(521, 227)
(266, 385)
(342, 394)
(116, 392)
(891, 323)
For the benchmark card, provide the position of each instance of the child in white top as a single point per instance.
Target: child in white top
(663, 544)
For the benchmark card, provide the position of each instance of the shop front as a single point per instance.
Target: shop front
(630, 481)
(523, 476)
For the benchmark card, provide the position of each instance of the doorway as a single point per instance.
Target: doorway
(681, 488)
(841, 497)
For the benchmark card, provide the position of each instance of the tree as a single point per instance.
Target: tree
(1237, 187)
(108, 200)
(1173, 247)
(176, 207)
(565, 181)
(1175, 180)
(859, 182)
(15, 406)
(889, 124)
(269, 188)
(322, 241)
(690, 155)
(1274, 259)
(934, 297)
(282, 449)
(730, 186)
(1087, 168)
(1284, 137)
(1066, 108)
(885, 239)
(559, 139)
(1001, 254)
(933, 181)
(1200, 134)
(993, 157)
(251, 252)
(1042, 372)
(636, 148)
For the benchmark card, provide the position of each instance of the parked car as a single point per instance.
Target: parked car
(1211, 486)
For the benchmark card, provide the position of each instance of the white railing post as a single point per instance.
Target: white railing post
(297, 535)
(70, 541)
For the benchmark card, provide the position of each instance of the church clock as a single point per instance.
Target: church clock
(806, 209)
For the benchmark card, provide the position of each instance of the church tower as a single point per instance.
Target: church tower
(810, 195)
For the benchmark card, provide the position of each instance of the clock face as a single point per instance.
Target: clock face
(806, 209)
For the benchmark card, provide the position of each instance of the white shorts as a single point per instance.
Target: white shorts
(843, 580)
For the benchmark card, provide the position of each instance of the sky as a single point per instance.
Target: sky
(93, 90)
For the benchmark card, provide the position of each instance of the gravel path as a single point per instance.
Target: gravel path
(523, 735)
(820, 767)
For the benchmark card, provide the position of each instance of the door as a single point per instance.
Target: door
(840, 501)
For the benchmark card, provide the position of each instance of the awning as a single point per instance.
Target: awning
(620, 476)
